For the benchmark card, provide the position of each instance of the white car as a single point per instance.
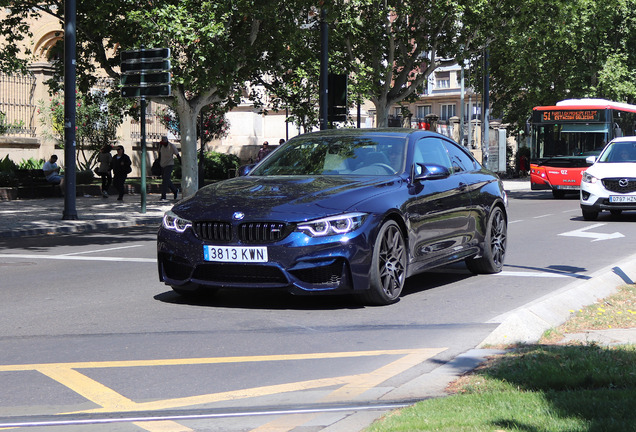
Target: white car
(610, 183)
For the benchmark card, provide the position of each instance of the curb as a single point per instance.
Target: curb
(82, 226)
(528, 323)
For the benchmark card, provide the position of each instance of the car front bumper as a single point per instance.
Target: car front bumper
(596, 197)
(298, 264)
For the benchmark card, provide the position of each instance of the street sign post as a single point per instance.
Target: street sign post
(145, 73)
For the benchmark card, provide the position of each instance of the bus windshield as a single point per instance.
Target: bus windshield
(555, 140)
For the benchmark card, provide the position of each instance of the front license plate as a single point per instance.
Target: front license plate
(236, 254)
(568, 187)
(622, 199)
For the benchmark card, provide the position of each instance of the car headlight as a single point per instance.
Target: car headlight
(333, 225)
(588, 178)
(175, 223)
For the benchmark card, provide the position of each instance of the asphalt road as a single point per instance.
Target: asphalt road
(87, 331)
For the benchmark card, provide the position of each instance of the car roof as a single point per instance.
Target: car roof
(403, 132)
(625, 139)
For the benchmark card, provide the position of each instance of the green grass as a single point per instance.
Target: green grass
(541, 388)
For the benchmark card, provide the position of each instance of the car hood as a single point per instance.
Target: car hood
(612, 170)
(282, 197)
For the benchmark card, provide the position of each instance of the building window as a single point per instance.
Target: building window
(472, 111)
(447, 111)
(442, 80)
(398, 111)
(423, 111)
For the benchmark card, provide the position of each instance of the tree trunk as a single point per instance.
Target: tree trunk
(381, 112)
(188, 131)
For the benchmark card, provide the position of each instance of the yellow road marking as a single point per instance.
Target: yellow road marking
(204, 360)
(105, 396)
(88, 388)
(110, 401)
(357, 385)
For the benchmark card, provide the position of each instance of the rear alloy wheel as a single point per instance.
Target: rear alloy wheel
(388, 267)
(589, 215)
(492, 259)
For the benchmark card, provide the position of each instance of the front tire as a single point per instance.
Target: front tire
(492, 259)
(589, 215)
(388, 266)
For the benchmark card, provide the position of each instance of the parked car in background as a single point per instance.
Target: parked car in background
(341, 211)
(610, 183)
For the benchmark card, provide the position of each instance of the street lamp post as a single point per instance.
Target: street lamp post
(70, 32)
(324, 70)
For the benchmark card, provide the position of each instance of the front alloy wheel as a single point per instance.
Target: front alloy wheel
(492, 259)
(388, 267)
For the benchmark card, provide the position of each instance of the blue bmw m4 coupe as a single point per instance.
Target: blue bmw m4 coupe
(352, 211)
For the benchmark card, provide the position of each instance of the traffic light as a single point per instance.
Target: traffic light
(337, 97)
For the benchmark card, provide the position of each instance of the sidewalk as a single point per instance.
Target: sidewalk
(45, 216)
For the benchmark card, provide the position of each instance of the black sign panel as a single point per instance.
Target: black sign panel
(160, 90)
(146, 66)
(151, 54)
(150, 78)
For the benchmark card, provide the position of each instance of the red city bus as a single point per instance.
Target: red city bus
(564, 135)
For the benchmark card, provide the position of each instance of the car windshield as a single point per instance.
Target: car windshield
(620, 151)
(341, 155)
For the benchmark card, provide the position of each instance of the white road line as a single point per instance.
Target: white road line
(79, 258)
(533, 274)
(102, 250)
(543, 216)
(515, 221)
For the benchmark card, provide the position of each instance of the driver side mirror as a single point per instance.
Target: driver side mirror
(420, 171)
(590, 160)
(245, 170)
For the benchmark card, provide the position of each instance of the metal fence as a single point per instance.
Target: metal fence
(155, 129)
(17, 94)
(17, 102)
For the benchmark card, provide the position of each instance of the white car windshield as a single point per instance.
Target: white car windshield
(619, 152)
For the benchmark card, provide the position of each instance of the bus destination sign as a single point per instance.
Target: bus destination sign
(571, 116)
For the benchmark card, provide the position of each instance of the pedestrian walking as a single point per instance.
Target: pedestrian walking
(104, 159)
(167, 152)
(121, 166)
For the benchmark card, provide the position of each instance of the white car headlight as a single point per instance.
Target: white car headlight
(333, 225)
(175, 223)
(588, 178)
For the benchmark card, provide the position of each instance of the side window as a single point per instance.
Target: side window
(431, 151)
(460, 160)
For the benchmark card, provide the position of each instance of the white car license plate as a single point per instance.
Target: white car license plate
(237, 254)
(622, 199)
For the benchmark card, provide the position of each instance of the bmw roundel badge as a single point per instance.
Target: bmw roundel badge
(238, 215)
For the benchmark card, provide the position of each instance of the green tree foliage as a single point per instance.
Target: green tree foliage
(393, 46)
(216, 47)
(96, 123)
(548, 51)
